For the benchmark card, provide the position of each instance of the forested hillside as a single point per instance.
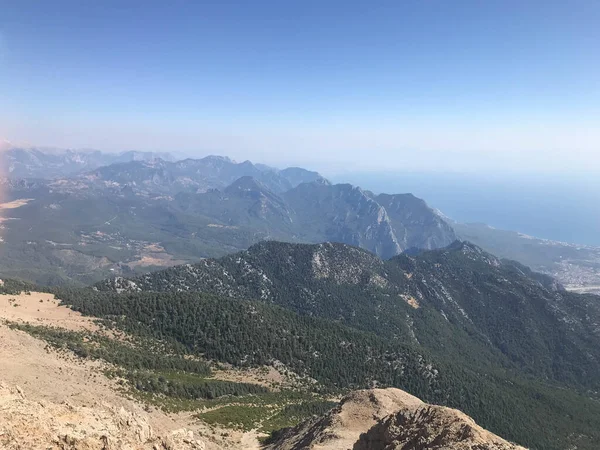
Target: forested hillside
(458, 301)
(248, 333)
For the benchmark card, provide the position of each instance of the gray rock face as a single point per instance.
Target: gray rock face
(342, 213)
(430, 427)
(385, 225)
(414, 223)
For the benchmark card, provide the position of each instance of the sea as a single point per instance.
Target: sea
(561, 207)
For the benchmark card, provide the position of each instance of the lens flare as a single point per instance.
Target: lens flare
(4, 147)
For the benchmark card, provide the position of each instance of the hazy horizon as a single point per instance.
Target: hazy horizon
(397, 86)
(557, 206)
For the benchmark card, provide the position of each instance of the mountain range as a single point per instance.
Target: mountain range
(157, 176)
(51, 163)
(108, 214)
(149, 213)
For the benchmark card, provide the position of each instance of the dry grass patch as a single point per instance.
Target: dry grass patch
(40, 308)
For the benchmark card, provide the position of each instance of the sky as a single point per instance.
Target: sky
(427, 85)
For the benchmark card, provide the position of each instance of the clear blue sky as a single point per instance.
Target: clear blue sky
(424, 84)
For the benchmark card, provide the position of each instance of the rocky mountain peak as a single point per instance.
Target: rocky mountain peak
(385, 225)
(389, 419)
(297, 176)
(246, 183)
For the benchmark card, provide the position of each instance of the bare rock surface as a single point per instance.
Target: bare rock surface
(430, 427)
(389, 419)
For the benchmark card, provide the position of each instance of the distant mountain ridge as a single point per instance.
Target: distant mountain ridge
(196, 175)
(312, 211)
(148, 213)
(114, 213)
(337, 214)
(46, 164)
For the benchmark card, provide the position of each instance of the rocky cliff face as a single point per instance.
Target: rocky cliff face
(342, 213)
(384, 224)
(388, 419)
(414, 223)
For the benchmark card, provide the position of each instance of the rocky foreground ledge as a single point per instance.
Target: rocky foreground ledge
(28, 424)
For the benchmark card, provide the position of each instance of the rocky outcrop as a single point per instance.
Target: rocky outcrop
(430, 427)
(388, 419)
(29, 424)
